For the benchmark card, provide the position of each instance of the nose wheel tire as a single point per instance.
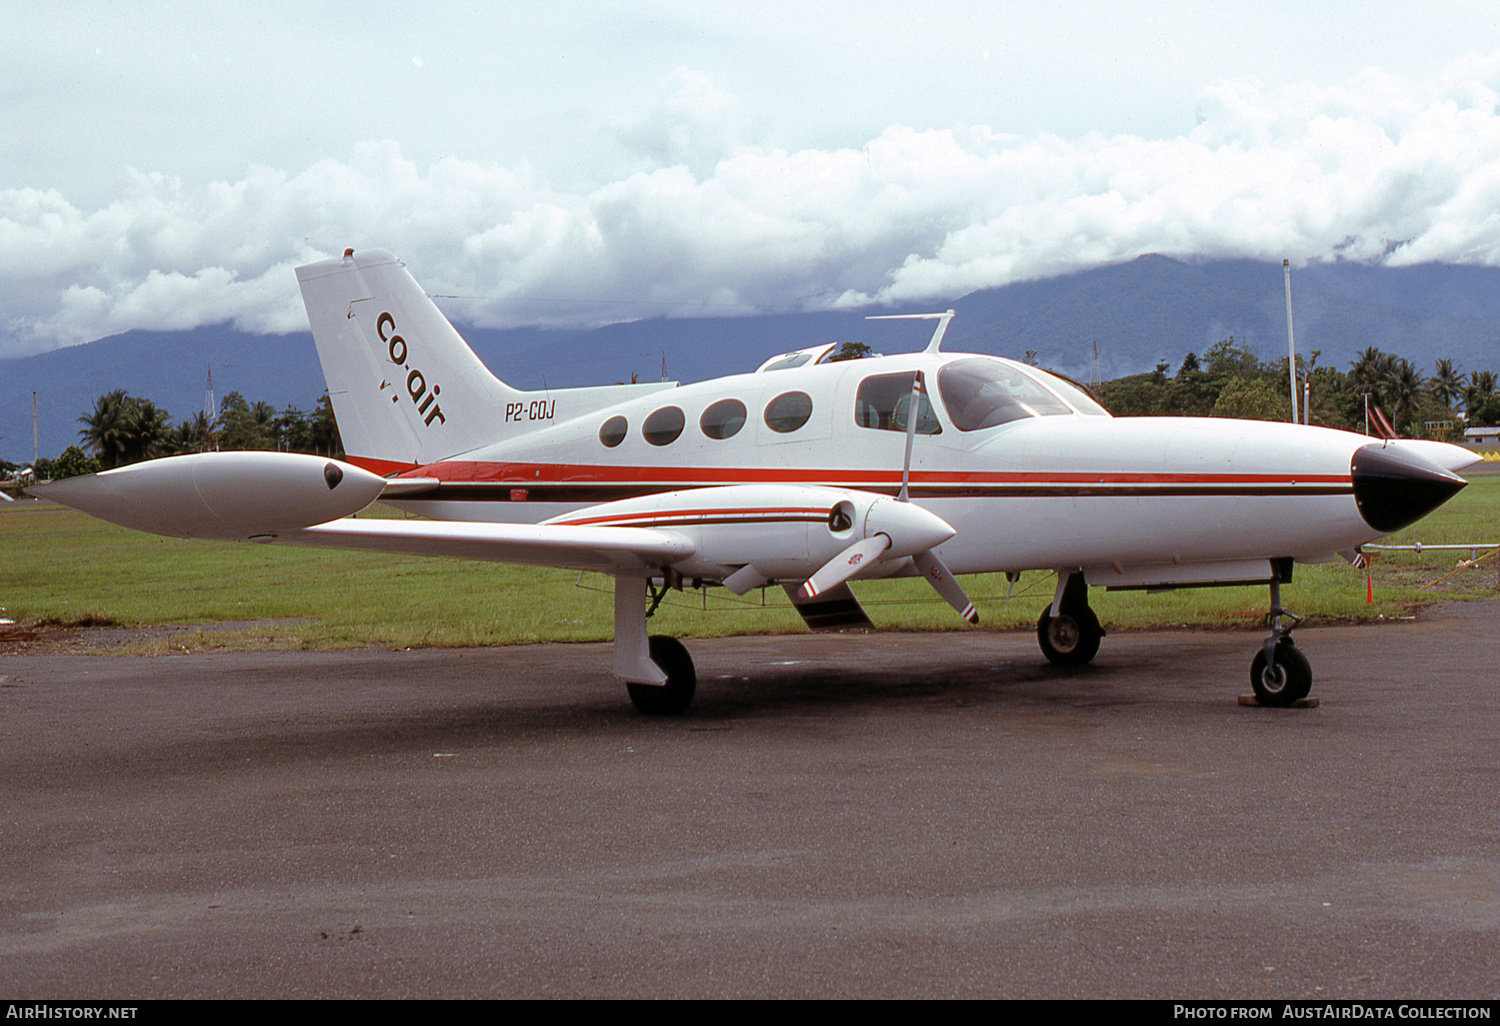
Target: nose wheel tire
(1288, 679)
(673, 697)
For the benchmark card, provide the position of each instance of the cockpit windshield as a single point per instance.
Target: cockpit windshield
(981, 393)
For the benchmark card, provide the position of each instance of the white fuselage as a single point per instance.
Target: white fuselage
(1074, 488)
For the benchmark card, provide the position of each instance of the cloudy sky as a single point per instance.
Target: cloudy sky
(166, 165)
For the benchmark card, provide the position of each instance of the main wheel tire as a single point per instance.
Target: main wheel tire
(1288, 680)
(673, 697)
(1065, 640)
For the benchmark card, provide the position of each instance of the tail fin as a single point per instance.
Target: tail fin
(406, 388)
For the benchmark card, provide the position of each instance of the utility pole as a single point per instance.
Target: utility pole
(1291, 345)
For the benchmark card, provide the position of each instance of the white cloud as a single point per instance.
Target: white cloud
(1378, 167)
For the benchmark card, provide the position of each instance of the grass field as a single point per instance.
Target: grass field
(62, 567)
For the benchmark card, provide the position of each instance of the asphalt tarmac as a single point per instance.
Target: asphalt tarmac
(937, 815)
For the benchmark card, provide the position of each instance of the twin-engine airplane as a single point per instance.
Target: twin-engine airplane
(812, 472)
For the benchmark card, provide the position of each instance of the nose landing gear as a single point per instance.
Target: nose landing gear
(1280, 675)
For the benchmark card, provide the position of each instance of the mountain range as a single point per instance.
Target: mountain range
(1149, 310)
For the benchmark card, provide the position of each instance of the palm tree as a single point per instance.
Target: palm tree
(195, 435)
(1447, 383)
(107, 430)
(1481, 387)
(1367, 374)
(203, 431)
(150, 431)
(1404, 388)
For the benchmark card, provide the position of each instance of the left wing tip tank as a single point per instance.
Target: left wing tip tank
(229, 496)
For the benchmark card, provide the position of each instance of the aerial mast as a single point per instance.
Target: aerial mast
(937, 336)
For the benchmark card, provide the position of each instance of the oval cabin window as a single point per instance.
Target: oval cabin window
(612, 432)
(663, 426)
(723, 419)
(788, 411)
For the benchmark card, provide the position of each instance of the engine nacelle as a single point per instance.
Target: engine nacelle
(784, 531)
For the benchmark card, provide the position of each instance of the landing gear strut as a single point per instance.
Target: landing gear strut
(1068, 630)
(1280, 674)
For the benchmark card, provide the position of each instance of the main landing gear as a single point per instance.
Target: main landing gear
(676, 694)
(657, 671)
(1068, 630)
(1280, 674)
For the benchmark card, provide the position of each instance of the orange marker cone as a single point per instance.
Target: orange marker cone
(1369, 590)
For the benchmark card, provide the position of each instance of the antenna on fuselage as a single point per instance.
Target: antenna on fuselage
(937, 336)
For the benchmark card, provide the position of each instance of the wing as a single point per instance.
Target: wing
(745, 534)
(610, 550)
(295, 499)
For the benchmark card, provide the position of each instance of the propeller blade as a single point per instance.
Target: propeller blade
(942, 580)
(844, 566)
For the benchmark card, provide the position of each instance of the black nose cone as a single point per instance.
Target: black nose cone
(1394, 487)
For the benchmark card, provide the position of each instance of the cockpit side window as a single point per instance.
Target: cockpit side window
(1074, 393)
(884, 400)
(788, 362)
(981, 393)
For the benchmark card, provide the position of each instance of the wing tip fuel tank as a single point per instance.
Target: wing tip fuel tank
(221, 495)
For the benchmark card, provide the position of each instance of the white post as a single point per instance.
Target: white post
(1291, 345)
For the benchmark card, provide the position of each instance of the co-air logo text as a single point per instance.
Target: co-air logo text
(416, 381)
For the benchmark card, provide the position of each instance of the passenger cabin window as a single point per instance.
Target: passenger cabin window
(884, 400)
(723, 419)
(612, 431)
(663, 426)
(981, 393)
(788, 411)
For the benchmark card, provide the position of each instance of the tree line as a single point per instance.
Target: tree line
(1231, 381)
(122, 429)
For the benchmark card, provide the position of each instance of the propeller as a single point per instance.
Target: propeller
(845, 565)
(943, 583)
(896, 529)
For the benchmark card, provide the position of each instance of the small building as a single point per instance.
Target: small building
(1482, 436)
